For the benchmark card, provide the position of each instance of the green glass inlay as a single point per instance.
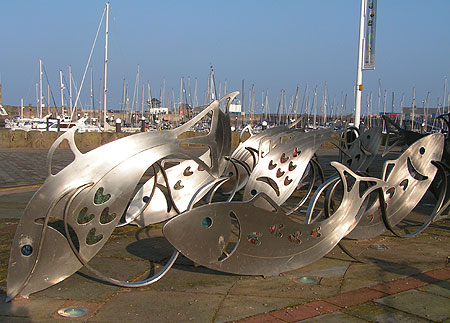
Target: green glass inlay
(91, 238)
(99, 198)
(84, 217)
(107, 217)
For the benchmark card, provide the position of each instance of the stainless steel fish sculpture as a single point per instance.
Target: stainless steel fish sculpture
(279, 172)
(74, 212)
(268, 241)
(408, 178)
(174, 189)
(363, 150)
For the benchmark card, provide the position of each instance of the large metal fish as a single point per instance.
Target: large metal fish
(269, 242)
(181, 181)
(90, 195)
(408, 178)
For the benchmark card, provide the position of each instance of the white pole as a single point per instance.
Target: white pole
(105, 89)
(359, 85)
(21, 108)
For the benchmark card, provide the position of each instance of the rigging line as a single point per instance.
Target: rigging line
(90, 56)
(51, 92)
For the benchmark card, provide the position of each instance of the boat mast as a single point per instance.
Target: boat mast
(105, 89)
(40, 88)
(62, 90)
(70, 90)
(92, 90)
(413, 106)
(37, 97)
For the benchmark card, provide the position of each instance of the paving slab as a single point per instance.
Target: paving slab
(425, 305)
(83, 286)
(441, 288)
(158, 306)
(235, 307)
(374, 312)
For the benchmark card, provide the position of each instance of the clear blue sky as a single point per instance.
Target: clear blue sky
(272, 44)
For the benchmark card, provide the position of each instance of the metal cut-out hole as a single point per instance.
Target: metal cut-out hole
(275, 230)
(287, 181)
(107, 217)
(390, 192)
(26, 250)
(316, 233)
(272, 165)
(187, 171)
(178, 185)
(253, 192)
(92, 239)
(292, 166)
(99, 198)
(230, 174)
(253, 238)
(283, 158)
(84, 217)
(207, 222)
(73, 311)
(422, 150)
(295, 237)
(146, 199)
(279, 173)
(404, 184)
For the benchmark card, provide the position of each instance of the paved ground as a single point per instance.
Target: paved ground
(401, 280)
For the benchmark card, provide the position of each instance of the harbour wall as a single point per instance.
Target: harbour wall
(85, 141)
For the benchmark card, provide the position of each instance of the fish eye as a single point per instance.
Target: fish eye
(422, 150)
(26, 250)
(207, 222)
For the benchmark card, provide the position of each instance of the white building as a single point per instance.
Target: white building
(157, 111)
(236, 107)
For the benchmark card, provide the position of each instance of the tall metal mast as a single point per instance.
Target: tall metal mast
(62, 90)
(70, 90)
(105, 89)
(40, 88)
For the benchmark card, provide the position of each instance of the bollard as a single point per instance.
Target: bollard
(118, 125)
(142, 124)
